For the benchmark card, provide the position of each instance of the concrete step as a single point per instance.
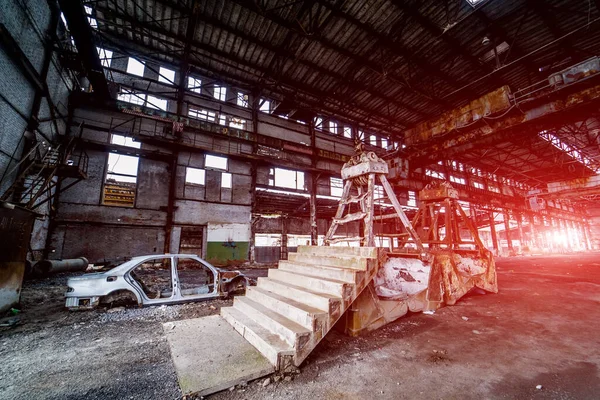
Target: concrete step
(322, 301)
(296, 311)
(269, 344)
(288, 330)
(322, 271)
(369, 252)
(340, 261)
(329, 286)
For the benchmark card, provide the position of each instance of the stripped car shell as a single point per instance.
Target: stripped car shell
(89, 290)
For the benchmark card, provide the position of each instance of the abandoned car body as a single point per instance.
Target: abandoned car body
(152, 280)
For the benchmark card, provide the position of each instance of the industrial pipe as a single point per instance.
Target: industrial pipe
(46, 267)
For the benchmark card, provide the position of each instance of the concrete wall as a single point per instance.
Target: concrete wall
(28, 23)
(101, 232)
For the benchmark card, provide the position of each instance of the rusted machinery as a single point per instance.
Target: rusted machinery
(439, 256)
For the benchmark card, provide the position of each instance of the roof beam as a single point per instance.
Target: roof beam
(552, 25)
(311, 99)
(437, 32)
(395, 47)
(84, 41)
(183, 69)
(365, 62)
(182, 39)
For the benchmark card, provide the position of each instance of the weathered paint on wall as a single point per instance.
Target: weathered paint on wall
(227, 242)
(99, 243)
(222, 253)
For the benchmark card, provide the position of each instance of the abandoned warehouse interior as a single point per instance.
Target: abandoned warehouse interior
(334, 142)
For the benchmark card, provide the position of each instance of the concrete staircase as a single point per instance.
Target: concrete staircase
(286, 315)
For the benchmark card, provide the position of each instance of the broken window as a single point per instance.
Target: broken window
(237, 123)
(336, 186)
(215, 162)
(267, 240)
(479, 185)
(135, 67)
(195, 278)
(435, 174)
(384, 143)
(298, 240)
(318, 123)
(265, 106)
(220, 93)
(287, 178)
(121, 175)
(222, 120)
(91, 20)
(225, 180)
(412, 199)
(347, 132)
(121, 179)
(242, 99)
(194, 84)
(456, 179)
(124, 141)
(132, 97)
(154, 277)
(105, 56)
(373, 140)
(378, 193)
(494, 189)
(195, 176)
(166, 75)
(333, 127)
(205, 115)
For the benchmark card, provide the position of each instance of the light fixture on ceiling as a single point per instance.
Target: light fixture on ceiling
(486, 40)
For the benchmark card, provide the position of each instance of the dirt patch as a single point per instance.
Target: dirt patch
(438, 356)
(118, 353)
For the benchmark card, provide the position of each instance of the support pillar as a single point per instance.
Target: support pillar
(314, 230)
(284, 238)
(474, 217)
(520, 230)
(369, 236)
(507, 231)
(171, 204)
(253, 220)
(493, 232)
(586, 235)
(532, 231)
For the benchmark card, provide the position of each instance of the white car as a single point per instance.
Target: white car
(154, 279)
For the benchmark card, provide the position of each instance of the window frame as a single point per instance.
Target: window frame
(131, 67)
(193, 169)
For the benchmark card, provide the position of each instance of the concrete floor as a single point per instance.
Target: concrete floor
(543, 328)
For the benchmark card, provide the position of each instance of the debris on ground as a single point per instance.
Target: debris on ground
(465, 318)
(429, 312)
(10, 322)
